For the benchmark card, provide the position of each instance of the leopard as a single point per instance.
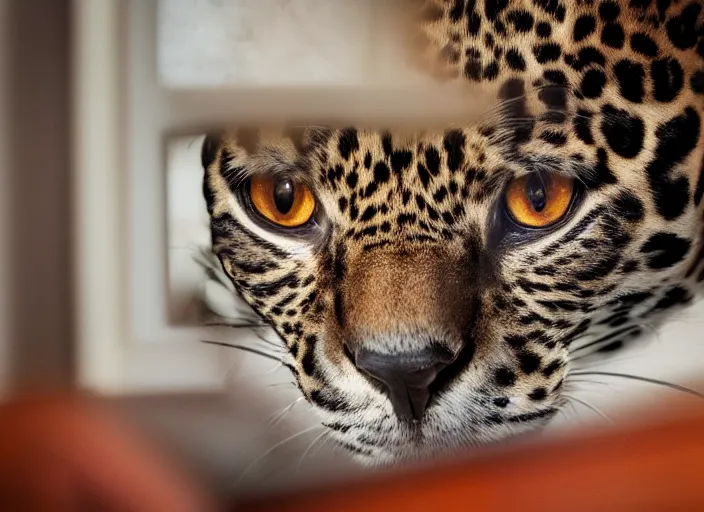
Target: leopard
(429, 287)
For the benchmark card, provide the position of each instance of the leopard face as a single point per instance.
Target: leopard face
(431, 285)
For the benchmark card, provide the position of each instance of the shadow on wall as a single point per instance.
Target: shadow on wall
(35, 343)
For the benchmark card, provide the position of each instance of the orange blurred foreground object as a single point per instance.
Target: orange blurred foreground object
(648, 468)
(66, 453)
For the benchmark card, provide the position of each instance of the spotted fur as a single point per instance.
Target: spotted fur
(412, 242)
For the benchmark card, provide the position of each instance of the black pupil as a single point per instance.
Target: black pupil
(284, 194)
(536, 192)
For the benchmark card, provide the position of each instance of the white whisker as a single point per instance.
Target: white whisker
(590, 407)
(322, 437)
(278, 418)
(290, 438)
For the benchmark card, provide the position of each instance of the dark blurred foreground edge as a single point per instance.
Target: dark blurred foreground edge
(658, 466)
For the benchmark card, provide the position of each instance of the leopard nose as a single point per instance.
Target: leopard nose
(406, 376)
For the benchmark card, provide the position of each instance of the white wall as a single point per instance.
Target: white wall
(280, 42)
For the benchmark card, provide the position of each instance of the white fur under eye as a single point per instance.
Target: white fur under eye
(296, 248)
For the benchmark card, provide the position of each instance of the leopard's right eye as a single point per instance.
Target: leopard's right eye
(539, 201)
(281, 200)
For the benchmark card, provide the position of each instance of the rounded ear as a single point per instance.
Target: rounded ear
(209, 149)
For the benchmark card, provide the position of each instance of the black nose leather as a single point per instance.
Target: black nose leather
(407, 376)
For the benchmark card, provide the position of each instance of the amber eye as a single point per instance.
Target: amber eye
(283, 201)
(539, 200)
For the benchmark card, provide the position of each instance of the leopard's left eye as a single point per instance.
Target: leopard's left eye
(283, 201)
(539, 200)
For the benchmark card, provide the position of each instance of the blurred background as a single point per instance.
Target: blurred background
(35, 194)
(238, 430)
